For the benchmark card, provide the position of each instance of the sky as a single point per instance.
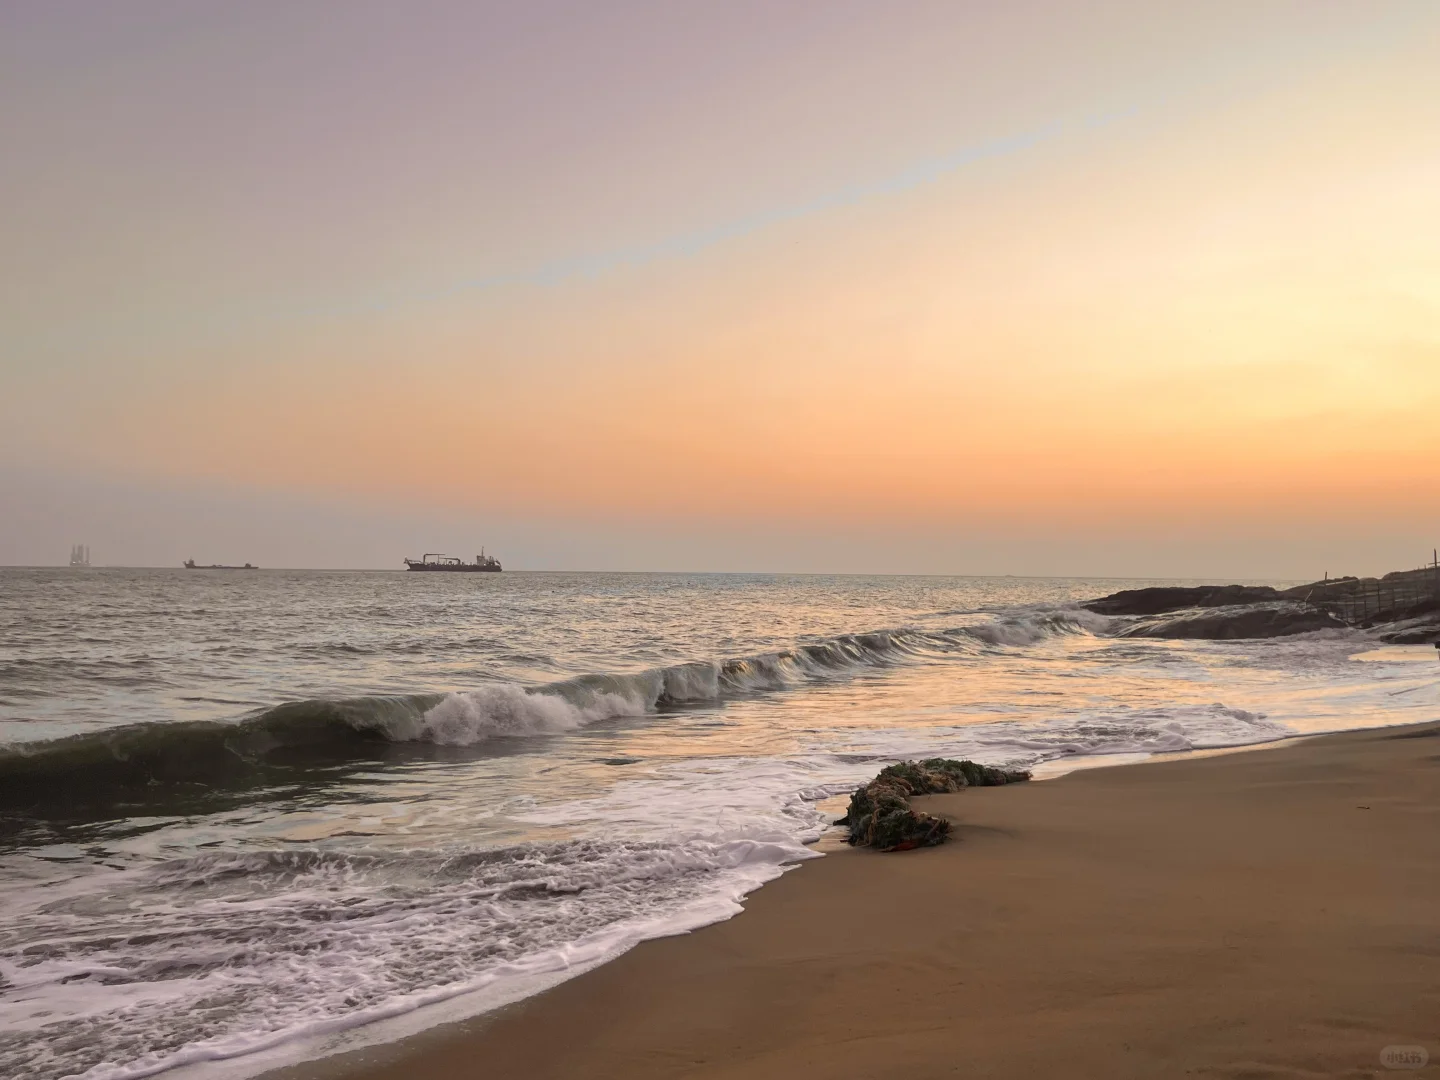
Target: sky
(1127, 288)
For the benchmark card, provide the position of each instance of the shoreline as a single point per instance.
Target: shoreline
(1229, 913)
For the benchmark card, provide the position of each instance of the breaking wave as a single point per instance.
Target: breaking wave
(282, 745)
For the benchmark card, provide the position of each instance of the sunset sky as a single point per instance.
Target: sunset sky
(1127, 288)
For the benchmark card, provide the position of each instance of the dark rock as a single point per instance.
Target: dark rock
(1301, 592)
(880, 814)
(1234, 623)
(1419, 631)
(1395, 603)
(1158, 601)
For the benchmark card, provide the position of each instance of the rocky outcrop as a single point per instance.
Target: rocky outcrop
(1420, 631)
(1398, 604)
(1274, 620)
(880, 815)
(1158, 601)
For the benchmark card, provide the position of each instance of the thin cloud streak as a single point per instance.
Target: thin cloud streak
(1397, 25)
(687, 245)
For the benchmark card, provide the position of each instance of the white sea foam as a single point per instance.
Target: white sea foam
(506, 710)
(242, 952)
(1027, 628)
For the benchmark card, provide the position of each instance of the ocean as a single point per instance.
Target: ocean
(251, 817)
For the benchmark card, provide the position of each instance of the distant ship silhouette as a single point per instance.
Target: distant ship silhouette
(483, 564)
(190, 564)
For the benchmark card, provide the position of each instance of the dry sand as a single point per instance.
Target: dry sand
(1269, 914)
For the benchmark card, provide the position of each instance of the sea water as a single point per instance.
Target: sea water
(251, 816)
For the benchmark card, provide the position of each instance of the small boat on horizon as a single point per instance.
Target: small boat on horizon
(190, 564)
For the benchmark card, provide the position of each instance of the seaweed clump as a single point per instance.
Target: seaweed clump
(880, 816)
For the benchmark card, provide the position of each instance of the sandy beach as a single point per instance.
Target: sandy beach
(1265, 914)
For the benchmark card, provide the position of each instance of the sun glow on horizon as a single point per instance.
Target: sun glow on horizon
(1219, 304)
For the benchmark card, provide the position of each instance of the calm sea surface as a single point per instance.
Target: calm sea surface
(251, 816)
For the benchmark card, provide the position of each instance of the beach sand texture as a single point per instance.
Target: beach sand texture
(1256, 915)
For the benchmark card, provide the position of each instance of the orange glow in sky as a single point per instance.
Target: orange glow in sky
(739, 268)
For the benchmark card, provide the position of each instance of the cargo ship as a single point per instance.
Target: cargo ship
(190, 564)
(483, 564)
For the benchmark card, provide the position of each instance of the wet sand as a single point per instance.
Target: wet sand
(1268, 914)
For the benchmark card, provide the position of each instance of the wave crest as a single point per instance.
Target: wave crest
(507, 710)
(186, 761)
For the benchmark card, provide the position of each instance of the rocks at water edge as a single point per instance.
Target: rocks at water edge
(1404, 605)
(880, 816)
(1159, 601)
(1422, 630)
(1216, 612)
(1229, 624)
